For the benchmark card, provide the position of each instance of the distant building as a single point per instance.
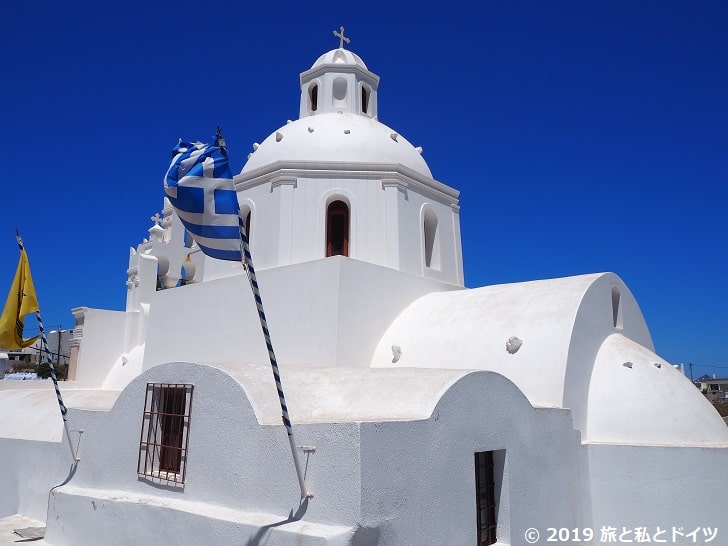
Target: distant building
(715, 389)
(21, 358)
(60, 349)
(29, 357)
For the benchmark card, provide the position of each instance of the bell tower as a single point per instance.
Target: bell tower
(336, 182)
(339, 82)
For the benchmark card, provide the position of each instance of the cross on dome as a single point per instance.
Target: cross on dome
(341, 37)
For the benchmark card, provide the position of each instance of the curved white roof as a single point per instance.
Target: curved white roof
(635, 397)
(34, 408)
(330, 395)
(339, 56)
(337, 138)
(469, 329)
(571, 356)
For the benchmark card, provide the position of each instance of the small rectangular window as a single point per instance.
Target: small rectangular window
(485, 490)
(165, 432)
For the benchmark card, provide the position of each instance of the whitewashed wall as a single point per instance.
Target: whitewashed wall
(240, 477)
(324, 313)
(288, 217)
(638, 486)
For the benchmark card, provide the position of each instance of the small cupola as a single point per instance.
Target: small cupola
(339, 81)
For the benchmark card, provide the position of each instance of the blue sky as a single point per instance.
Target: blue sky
(584, 136)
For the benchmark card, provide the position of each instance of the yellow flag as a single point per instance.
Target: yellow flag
(21, 301)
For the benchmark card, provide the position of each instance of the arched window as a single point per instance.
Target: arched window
(337, 229)
(313, 97)
(339, 92)
(364, 99)
(616, 308)
(432, 239)
(246, 215)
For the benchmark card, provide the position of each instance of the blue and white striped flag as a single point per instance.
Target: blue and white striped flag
(200, 187)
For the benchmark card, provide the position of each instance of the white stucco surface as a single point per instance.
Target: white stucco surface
(339, 56)
(324, 139)
(469, 329)
(35, 411)
(647, 401)
(333, 395)
(320, 306)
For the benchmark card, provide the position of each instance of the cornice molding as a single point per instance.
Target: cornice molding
(281, 170)
(284, 181)
(320, 70)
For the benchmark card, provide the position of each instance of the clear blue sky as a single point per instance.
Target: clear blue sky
(584, 136)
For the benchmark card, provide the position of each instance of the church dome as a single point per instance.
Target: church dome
(337, 138)
(341, 57)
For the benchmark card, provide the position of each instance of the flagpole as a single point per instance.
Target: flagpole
(250, 270)
(220, 233)
(61, 405)
(47, 353)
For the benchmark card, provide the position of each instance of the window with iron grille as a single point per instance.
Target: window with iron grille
(165, 432)
(485, 490)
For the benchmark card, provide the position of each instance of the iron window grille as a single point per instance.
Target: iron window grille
(165, 432)
(485, 498)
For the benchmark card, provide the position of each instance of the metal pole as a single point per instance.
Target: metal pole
(62, 406)
(45, 351)
(250, 270)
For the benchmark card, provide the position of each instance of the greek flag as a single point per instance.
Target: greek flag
(200, 187)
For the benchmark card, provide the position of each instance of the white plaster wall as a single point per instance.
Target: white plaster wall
(412, 229)
(412, 483)
(34, 409)
(666, 486)
(239, 473)
(34, 454)
(594, 322)
(286, 203)
(101, 345)
(217, 321)
(329, 312)
(418, 478)
(266, 222)
(370, 298)
(384, 480)
(142, 273)
(29, 470)
(128, 366)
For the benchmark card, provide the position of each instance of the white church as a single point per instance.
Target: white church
(425, 413)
